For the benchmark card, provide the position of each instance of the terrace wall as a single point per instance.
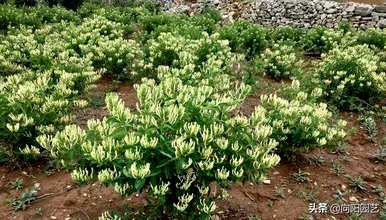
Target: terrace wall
(299, 13)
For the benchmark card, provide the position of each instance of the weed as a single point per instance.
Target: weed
(254, 217)
(379, 190)
(309, 195)
(339, 196)
(355, 217)
(17, 184)
(382, 213)
(280, 192)
(39, 211)
(270, 204)
(337, 168)
(317, 160)
(380, 155)
(301, 176)
(357, 183)
(25, 199)
(305, 216)
(370, 125)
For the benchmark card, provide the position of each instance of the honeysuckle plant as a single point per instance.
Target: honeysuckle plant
(301, 123)
(182, 137)
(351, 75)
(200, 55)
(40, 83)
(280, 62)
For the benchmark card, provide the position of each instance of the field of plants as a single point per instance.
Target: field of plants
(110, 112)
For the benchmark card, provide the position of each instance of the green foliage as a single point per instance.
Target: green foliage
(109, 216)
(370, 125)
(320, 40)
(245, 37)
(21, 3)
(17, 184)
(212, 13)
(195, 56)
(3, 155)
(103, 41)
(287, 35)
(380, 154)
(357, 183)
(38, 89)
(373, 38)
(350, 76)
(301, 176)
(11, 16)
(25, 199)
(189, 27)
(300, 125)
(280, 62)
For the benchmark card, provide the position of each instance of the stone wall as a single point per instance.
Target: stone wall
(307, 13)
(299, 13)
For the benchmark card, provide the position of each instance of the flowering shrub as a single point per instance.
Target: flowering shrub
(12, 16)
(373, 37)
(350, 75)
(299, 125)
(102, 41)
(288, 35)
(36, 104)
(280, 62)
(245, 37)
(320, 39)
(194, 55)
(182, 138)
(35, 17)
(189, 27)
(40, 82)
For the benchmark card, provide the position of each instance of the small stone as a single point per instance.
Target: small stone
(85, 194)
(276, 173)
(350, 8)
(329, 4)
(382, 23)
(331, 11)
(267, 181)
(353, 199)
(344, 187)
(53, 217)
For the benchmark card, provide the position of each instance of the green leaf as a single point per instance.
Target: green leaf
(139, 184)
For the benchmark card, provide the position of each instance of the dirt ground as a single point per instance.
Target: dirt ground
(280, 197)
